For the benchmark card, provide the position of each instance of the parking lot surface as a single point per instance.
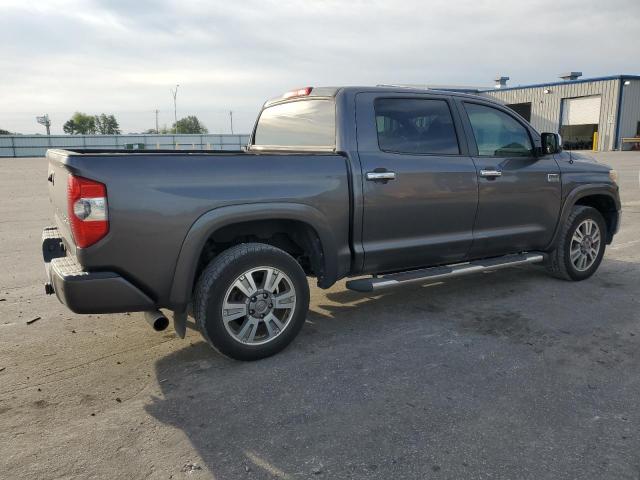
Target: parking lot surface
(511, 374)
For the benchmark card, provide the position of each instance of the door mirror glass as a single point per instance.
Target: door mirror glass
(551, 143)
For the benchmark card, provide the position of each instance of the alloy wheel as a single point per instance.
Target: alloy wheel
(259, 305)
(585, 245)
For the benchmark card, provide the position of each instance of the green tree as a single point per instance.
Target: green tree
(4, 132)
(106, 124)
(164, 130)
(189, 124)
(80, 124)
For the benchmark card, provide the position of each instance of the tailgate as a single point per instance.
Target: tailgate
(57, 178)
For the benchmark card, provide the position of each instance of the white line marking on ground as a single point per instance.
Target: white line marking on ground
(260, 462)
(624, 245)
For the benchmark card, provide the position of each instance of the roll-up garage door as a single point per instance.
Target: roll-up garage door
(581, 110)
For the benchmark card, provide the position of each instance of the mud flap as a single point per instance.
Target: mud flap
(180, 323)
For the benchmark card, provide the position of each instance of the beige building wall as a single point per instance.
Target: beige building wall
(546, 108)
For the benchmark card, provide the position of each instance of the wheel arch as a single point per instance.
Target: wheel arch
(602, 197)
(310, 223)
(606, 206)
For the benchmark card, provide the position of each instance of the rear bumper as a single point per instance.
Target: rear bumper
(87, 292)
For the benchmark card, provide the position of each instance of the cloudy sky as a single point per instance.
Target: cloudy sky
(123, 56)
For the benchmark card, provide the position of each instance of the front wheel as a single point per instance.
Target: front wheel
(581, 245)
(251, 301)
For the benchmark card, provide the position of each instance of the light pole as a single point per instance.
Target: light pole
(175, 110)
(231, 120)
(44, 120)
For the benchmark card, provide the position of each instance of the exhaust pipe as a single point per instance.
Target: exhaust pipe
(157, 320)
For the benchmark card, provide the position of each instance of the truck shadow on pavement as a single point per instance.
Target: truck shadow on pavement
(481, 375)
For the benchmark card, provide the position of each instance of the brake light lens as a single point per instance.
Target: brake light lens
(301, 92)
(87, 210)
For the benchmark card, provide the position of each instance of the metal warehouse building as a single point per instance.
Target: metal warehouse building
(604, 109)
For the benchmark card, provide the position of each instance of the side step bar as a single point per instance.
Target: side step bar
(446, 271)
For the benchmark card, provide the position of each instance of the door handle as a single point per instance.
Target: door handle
(381, 176)
(490, 173)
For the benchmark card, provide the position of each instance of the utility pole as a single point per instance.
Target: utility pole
(175, 110)
(157, 129)
(44, 120)
(231, 120)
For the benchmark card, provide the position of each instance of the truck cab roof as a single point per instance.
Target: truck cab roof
(354, 89)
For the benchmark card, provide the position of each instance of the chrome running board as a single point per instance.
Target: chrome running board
(445, 271)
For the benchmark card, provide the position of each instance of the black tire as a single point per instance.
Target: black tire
(218, 277)
(559, 263)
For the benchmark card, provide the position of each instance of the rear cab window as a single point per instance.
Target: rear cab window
(308, 124)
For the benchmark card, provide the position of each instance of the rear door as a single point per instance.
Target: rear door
(419, 183)
(519, 192)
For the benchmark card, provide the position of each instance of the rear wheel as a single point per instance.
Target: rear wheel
(581, 245)
(251, 301)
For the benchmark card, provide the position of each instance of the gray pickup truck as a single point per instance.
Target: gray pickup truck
(391, 185)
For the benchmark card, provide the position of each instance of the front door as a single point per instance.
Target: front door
(419, 185)
(519, 191)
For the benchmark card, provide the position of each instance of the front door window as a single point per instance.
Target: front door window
(498, 134)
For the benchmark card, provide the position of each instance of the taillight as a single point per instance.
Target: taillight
(301, 92)
(87, 209)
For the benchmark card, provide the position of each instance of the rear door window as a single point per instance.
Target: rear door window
(418, 126)
(305, 123)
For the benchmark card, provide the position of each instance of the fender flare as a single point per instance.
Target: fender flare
(213, 220)
(576, 194)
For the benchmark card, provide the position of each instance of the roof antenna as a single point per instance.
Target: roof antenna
(570, 156)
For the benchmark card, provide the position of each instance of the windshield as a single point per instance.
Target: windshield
(303, 123)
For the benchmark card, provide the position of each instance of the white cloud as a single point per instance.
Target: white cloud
(122, 57)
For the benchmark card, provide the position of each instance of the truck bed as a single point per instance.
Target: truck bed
(155, 197)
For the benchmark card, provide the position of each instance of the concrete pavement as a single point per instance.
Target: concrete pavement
(510, 374)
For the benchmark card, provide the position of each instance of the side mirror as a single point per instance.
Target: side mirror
(551, 143)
